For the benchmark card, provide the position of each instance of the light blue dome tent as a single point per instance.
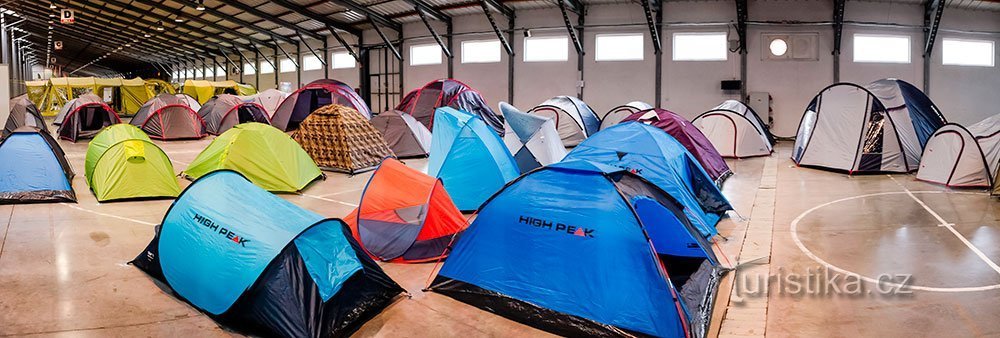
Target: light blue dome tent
(33, 169)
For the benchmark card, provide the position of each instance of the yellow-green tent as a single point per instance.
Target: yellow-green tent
(158, 87)
(122, 163)
(37, 91)
(204, 90)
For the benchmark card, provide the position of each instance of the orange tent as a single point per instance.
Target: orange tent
(405, 216)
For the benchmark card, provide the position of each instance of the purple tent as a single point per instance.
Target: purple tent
(688, 135)
(317, 94)
(422, 102)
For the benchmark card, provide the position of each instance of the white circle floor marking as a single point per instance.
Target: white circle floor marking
(798, 242)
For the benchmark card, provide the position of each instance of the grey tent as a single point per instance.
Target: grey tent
(87, 116)
(23, 113)
(532, 139)
(72, 104)
(168, 117)
(574, 119)
(619, 113)
(269, 99)
(225, 111)
(404, 134)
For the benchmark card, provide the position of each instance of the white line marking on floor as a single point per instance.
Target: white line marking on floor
(330, 200)
(341, 192)
(107, 215)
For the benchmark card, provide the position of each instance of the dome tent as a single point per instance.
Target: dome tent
(23, 113)
(317, 94)
(531, 139)
(626, 265)
(168, 117)
(619, 113)
(735, 130)
(33, 169)
(957, 156)
(85, 117)
(338, 138)
(403, 134)
(225, 111)
(690, 136)
(270, 99)
(123, 163)
(265, 155)
(405, 216)
(263, 266)
(574, 119)
(423, 102)
(189, 101)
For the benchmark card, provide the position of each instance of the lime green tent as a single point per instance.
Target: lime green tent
(122, 163)
(265, 155)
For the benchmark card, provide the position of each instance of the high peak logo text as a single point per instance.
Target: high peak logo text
(229, 234)
(557, 227)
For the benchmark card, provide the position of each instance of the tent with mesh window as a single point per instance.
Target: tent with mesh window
(169, 117)
(317, 94)
(225, 111)
(85, 117)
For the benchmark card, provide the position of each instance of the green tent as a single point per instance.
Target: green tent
(122, 163)
(262, 153)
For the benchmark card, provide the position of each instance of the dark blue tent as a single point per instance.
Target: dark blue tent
(579, 248)
(654, 155)
(262, 265)
(33, 169)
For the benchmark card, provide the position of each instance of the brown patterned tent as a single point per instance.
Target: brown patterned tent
(339, 138)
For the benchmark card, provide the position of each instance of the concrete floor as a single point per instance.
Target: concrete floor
(63, 268)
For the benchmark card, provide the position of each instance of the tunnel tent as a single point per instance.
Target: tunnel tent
(553, 232)
(531, 139)
(957, 156)
(423, 102)
(37, 91)
(123, 164)
(263, 266)
(265, 155)
(317, 94)
(23, 113)
(469, 157)
(269, 99)
(664, 161)
(33, 169)
(688, 135)
(403, 134)
(574, 119)
(340, 139)
(157, 87)
(619, 113)
(225, 111)
(168, 117)
(890, 128)
(735, 130)
(405, 216)
(203, 90)
(86, 118)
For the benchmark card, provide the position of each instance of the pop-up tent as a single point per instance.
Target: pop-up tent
(168, 117)
(265, 155)
(882, 127)
(619, 113)
(962, 157)
(86, 116)
(405, 216)
(340, 139)
(317, 94)
(403, 134)
(122, 163)
(545, 252)
(531, 139)
(269, 99)
(735, 130)
(225, 111)
(682, 130)
(263, 266)
(23, 113)
(469, 157)
(33, 169)
(423, 102)
(661, 159)
(574, 119)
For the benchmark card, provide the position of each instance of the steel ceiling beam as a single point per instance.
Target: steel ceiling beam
(152, 20)
(203, 21)
(838, 24)
(932, 21)
(499, 7)
(486, 5)
(236, 20)
(569, 27)
(321, 59)
(104, 42)
(651, 9)
(299, 9)
(385, 39)
(434, 34)
(268, 17)
(573, 5)
(344, 43)
(372, 15)
(429, 10)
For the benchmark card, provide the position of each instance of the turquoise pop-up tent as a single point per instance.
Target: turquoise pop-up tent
(469, 157)
(654, 155)
(33, 169)
(582, 249)
(264, 266)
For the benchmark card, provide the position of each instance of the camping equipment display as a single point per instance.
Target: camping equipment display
(263, 266)
(23, 113)
(168, 117)
(203, 90)
(33, 168)
(962, 157)
(122, 163)
(340, 139)
(735, 130)
(269, 99)
(225, 111)
(531, 139)
(423, 102)
(682, 130)
(298, 105)
(574, 119)
(265, 155)
(403, 134)
(619, 113)
(85, 117)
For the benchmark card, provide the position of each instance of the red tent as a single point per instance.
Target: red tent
(422, 102)
(405, 216)
(690, 136)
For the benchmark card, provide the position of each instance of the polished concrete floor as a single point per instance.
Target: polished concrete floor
(63, 268)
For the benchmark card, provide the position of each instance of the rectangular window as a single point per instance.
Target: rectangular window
(961, 52)
(219, 71)
(311, 62)
(881, 48)
(188, 73)
(208, 72)
(248, 69)
(286, 66)
(487, 51)
(266, 67)
(709, 46)
(342, 60)
(429, 54)
(619, 47)
(546, 48)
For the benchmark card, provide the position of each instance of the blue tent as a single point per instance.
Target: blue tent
(262, 265)
(565, 249)
(469, 157)
(654, 155)
(33, 169)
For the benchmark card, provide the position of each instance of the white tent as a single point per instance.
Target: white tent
(619, 113)
(735, 130)
(962, 157)
(532, 139)
(269, 99)
(574, 119)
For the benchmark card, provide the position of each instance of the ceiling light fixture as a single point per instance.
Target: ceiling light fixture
(201, 5)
